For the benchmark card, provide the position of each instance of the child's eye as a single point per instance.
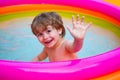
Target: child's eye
(48, 31)
(40, 34)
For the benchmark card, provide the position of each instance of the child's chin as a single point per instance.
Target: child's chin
(49, 46)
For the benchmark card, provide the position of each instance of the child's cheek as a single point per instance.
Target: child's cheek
(40, 39)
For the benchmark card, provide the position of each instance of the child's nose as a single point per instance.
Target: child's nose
(45, 36)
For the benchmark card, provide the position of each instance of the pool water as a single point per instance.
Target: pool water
(18, 43)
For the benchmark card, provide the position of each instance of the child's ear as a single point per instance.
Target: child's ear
(60, 31)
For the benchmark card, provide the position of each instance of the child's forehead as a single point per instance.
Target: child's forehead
(49, 27)
(41, 29)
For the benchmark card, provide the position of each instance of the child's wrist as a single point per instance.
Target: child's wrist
(78, 39)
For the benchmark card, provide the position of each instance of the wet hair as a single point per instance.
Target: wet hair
(41, 21)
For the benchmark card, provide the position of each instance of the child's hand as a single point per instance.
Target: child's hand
(79, 27)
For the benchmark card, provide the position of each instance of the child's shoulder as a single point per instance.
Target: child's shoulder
(67, 42)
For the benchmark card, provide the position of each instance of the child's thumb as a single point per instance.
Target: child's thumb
(69, 29)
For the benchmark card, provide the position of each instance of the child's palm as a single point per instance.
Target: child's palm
(79, 28)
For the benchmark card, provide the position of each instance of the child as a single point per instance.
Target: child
(48, 28)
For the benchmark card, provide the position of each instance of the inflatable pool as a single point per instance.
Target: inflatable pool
(105, 66)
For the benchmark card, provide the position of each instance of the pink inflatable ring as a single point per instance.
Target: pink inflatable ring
(82, 69)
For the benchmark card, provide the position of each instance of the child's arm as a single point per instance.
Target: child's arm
(40, 57)
(78, 32)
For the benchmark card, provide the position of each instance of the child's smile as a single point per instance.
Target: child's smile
(49, 37)
(48, 42)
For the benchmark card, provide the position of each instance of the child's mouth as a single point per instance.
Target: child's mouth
(48, 41)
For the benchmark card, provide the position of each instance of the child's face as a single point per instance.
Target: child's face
(49, 37)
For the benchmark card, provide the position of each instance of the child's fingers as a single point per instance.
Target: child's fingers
(78, 19)
(73, 20)
(82, 20)
(88, 25)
